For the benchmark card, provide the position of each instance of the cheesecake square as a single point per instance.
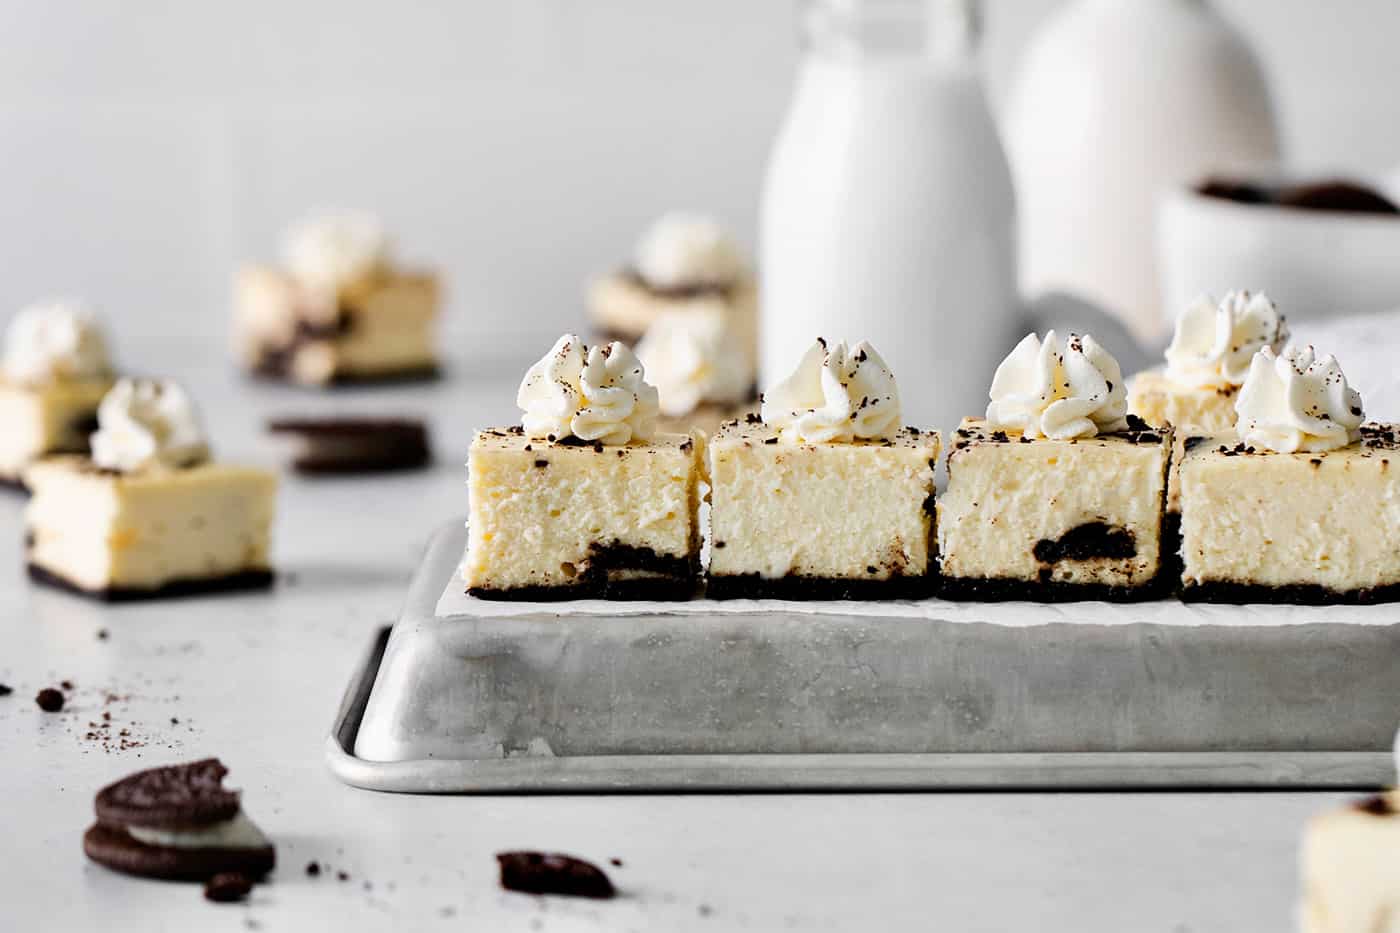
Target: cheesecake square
(1350, 868)
(149, 533)
(370, 329)
(821, 521)
(1258, 525)
(574, 519)
(51, 418)
(1054, 520)
(1157, 399)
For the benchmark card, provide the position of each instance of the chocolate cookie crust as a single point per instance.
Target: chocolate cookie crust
(605, 575)
(1298, 594)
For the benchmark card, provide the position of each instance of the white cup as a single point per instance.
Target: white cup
(1312, 263)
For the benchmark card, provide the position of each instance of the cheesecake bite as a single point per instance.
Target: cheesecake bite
(702, 366)
(54, 372)
(683, 263)
(1207, 362)
(1057, 494)
(825, 496)
(1302, 502)
(1350, 868)
(148, 514)
(584, 498)
(338, 309)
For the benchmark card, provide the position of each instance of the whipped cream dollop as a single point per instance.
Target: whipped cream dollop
(54, 341)
(836, 395)
(1215, 343)
(694, 356)
(330, 250)
(145, 422)
(592, 393)
(236, 833)
(1295, 401)
(681, 250)
(1058, 389)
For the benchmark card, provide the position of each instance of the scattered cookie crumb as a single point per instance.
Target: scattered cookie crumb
(313, 869)
(6, 690)
(615, 862)
(342, 876)
(705, 910)
(227, 887)
(49, 699)
(549, 873)
(66, 684)
(102, 634)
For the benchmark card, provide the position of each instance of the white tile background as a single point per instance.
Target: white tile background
(147, 146)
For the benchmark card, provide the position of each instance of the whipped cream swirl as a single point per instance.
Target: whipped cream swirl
(835, 396)
(1214, 343)
(329, 251)
(592, 393)
(54, 341)
(147, 422)
(1294, 401)
(694, 356)
(1060, 390)
(681, 250)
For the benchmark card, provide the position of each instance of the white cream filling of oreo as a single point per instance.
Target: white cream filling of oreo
(237, 833)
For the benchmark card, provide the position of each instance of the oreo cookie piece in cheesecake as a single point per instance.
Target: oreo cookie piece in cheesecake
(825, 496)
(177, 822)
(584, 499)
(1301, 504)
(53, 374)
(148, 514)
(338, 309)
(1057, 494)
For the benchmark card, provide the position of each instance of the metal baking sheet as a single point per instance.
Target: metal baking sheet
(710, 697)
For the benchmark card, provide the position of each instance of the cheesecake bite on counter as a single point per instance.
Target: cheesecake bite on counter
(1350, 868)
(148, 514)
(683, 263)
(338, 309)
(584, 498)
(1300, 504)
(1057, 494)
(1207, 362)
(53, 373)
(825, 496)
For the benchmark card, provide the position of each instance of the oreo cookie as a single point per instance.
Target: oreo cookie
(550, 873)
(177, 822)
(355, 445)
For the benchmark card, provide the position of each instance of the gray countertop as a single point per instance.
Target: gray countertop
(255, 679)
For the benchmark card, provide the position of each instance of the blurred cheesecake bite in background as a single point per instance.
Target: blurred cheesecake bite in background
(339, 308)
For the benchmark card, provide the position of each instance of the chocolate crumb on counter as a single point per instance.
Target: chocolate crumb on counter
(6, 690)
(50, 700)
(549, 873)
(227, 887)
(313, 869)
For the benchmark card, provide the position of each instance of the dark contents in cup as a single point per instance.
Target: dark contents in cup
(1335, 194)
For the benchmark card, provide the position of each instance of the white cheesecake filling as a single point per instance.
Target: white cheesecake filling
(1060, 390)
(54, 341)
(681, 250)
(237, 833)
(835, 395)
(592, 393)
(1294, 401)
(143, 422)
(1214, 343)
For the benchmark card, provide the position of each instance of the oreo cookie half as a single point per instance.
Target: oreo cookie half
(355, 445)
(176, 822)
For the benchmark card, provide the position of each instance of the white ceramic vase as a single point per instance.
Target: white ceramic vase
(1116, 103)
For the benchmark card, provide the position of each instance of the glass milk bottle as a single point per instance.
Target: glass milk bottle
(888, 212)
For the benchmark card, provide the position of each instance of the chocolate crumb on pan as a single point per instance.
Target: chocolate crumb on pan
(227, 887)
(6, 690)
(549, 873)
(346, 445)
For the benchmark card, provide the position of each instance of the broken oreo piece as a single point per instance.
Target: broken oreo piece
(348, 445)
(177, 822)
(227, 887)
(549, 873)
